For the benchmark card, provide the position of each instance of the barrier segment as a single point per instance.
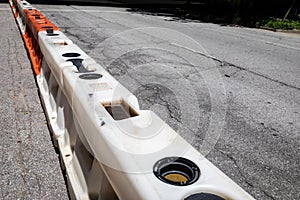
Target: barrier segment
(31, 22)
(110, 149)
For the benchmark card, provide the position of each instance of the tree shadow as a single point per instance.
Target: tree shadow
(248, 14)
(185, 14)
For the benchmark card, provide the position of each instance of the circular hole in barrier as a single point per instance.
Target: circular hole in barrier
(71, 55)
(204, 196)
(176, 171)
(90, 76)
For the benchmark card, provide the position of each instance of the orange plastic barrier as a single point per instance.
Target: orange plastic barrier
(38, 22)
(34, 22)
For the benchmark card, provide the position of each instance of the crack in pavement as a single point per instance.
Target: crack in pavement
(242, 174)
(225, 63)
(161, 101)
(267, 194)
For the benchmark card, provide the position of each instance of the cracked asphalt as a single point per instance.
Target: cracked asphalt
(29, 165)
(232, 92)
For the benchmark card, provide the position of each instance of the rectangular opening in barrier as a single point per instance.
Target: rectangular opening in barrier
(120, 110)
(60, 43)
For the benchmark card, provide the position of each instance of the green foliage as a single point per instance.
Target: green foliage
(279, 24)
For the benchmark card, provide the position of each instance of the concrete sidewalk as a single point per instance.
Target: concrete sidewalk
(29, 165)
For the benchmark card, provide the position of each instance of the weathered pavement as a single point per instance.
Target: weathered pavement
(29, 165)
(259, 146)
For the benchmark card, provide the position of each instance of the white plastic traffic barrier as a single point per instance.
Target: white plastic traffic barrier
(15, 10)
(111, 149)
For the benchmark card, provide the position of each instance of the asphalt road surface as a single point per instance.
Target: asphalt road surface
(233, 92)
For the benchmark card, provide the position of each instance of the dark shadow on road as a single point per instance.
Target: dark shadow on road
(182, 13)
(201, 11)
(191, 13)
(225, 15)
